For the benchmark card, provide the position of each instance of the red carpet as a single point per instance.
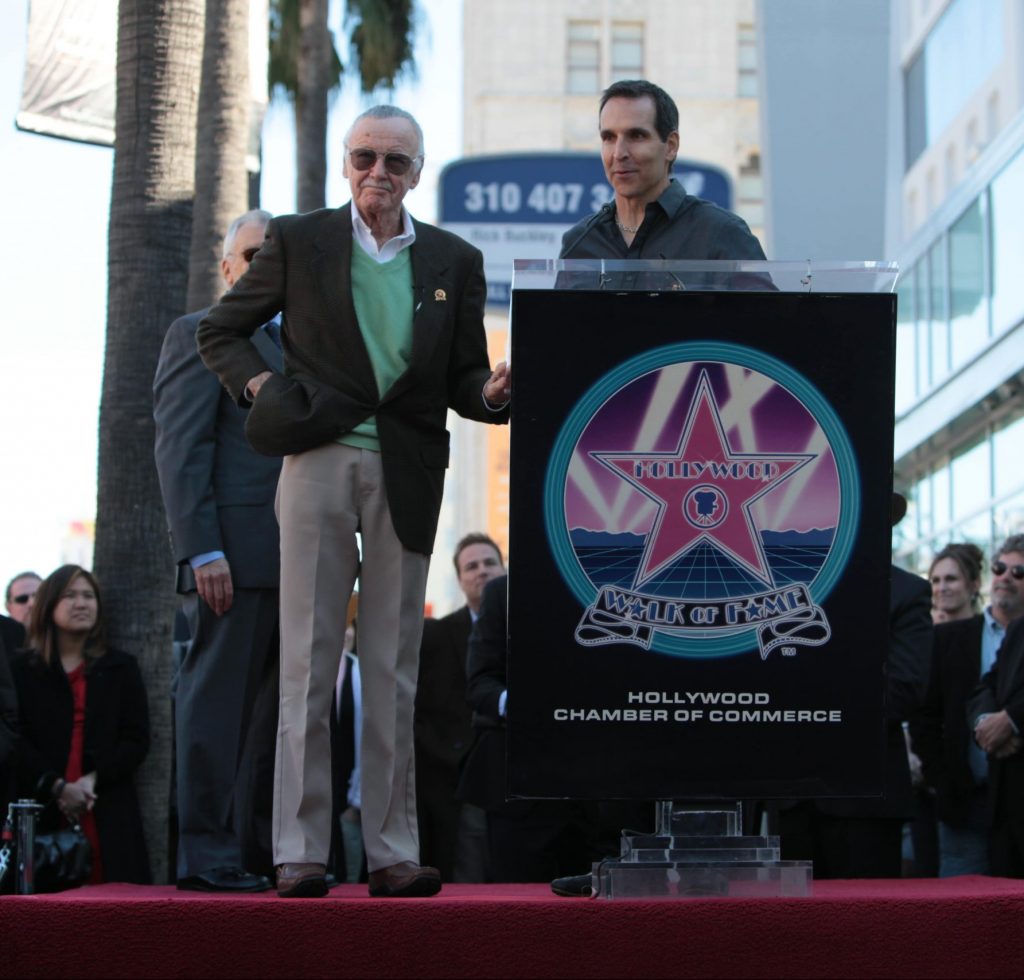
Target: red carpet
(959, 927)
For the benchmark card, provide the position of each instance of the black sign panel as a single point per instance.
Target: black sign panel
(699, 544)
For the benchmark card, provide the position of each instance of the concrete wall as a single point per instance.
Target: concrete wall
(825, 96)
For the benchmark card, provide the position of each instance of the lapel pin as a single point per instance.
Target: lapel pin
(440, 296)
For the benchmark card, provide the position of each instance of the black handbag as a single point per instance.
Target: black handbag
(63, 859)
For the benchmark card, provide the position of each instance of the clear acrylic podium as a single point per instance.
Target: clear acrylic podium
(700, 851)
(698, 848)
(743, 275)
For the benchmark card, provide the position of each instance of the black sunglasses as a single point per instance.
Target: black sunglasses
(248, 253)
(394, 163)
(1000, 567)
(22, 600)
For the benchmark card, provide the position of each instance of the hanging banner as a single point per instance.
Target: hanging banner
(699, 543)
(69, 88)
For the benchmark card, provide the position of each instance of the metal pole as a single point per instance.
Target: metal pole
(25, 812)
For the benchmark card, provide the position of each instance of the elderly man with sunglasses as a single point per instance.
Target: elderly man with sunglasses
(382, 334)
(996, 714)
(955, 765)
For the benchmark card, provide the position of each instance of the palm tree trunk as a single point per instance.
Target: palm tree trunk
(221, 181)
(313, 71)
(158, 70)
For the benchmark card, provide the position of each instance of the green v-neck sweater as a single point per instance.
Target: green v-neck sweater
(382, 294)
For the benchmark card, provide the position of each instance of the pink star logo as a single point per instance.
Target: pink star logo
(704, 491)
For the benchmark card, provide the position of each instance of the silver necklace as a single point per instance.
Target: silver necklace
(626, 228)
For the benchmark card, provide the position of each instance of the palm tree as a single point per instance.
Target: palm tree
(158, 67)
(221, 181)
(304, 63)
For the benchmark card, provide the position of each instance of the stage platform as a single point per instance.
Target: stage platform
(957, 927)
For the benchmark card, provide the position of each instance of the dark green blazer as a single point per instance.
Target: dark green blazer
(328, 385)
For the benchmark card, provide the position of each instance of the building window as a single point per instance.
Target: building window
(584, 58)
(965, 291)
(1007, 452)
(942, 499)
(938, 312)
(746, 62)
(971, 477)
(916, 133)
(968, 295)
(976, 495)
(925, 507)
(906, 342)
(1007, 245)
(961, 52)
(627, 50)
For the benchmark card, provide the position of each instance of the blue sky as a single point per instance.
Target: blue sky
(57, 198)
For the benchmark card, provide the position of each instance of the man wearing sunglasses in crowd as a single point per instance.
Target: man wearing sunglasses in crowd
(219, 498)
(382, 334)
(955, 766)
(21, 591)
(996, 714)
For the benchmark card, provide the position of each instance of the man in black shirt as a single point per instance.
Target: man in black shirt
(651, 216)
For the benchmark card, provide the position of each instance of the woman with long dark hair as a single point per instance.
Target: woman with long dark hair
(84, 725)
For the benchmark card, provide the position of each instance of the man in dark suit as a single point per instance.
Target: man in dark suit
(862, 838)
(528, 840)
(995, 713)
(383, 333)
(453, 835)
(219, 497)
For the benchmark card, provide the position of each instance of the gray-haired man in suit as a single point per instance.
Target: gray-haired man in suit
(219, 497)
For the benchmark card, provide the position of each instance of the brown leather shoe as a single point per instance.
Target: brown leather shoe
(405, 880)
(301, 880)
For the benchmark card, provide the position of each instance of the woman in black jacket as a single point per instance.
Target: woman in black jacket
(84, 725)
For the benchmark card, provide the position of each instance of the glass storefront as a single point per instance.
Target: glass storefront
(963, 294)
(950, 309)
(976, 495)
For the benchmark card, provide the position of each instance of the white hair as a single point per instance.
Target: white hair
(255, 217)
(388, 112)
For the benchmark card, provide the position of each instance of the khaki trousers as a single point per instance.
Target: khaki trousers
(325, 496)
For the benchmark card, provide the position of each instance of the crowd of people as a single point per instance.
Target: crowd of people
(325, 734)
(74, 730)
(967, 733)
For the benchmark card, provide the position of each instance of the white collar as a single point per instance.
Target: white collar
(386, 252)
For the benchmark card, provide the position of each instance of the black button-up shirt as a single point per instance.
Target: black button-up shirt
(677, 226)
